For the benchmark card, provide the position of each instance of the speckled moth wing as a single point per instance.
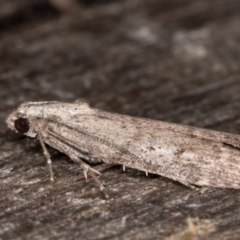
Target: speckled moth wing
(183, 153)
(186, 154)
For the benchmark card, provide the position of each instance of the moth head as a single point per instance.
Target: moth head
(19, 122)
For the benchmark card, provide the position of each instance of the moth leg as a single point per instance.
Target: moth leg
(85, 167)
(203, 189)
(193, 187)
(47, 155)
(88, 170)
(199, 189)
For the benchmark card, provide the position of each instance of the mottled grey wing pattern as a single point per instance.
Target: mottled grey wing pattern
(183, 153)
(186, 154)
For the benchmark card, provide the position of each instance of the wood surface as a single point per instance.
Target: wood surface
(175, 61)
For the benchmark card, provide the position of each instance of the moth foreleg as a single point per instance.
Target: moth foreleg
(84, 166)
(47, 155)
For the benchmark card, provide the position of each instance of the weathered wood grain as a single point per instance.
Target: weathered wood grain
(176, 61)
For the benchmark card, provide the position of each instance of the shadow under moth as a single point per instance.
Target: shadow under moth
(189, 155)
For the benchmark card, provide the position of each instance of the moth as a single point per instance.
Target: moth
(189, 155)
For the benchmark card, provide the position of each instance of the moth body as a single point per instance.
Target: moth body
(190, 155)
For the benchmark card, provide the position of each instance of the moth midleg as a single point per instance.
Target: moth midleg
(193, 187)
(86, 168)
(81, 152)
(47, 155)
(62, 147)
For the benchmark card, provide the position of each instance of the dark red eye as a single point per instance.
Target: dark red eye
(21, 125)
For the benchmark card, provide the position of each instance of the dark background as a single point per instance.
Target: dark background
(175, 60)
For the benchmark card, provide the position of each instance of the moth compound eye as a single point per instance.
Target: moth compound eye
(21, 125)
